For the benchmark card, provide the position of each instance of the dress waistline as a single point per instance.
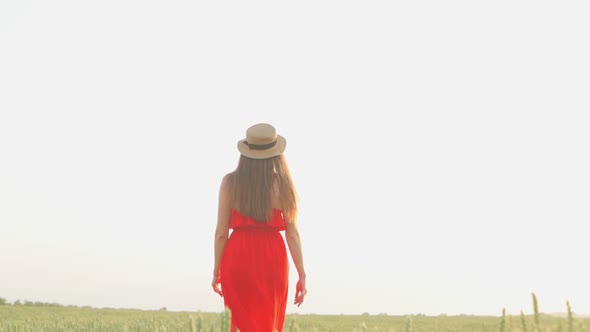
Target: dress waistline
(256, 228)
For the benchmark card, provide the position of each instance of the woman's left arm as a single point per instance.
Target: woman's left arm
(221, 232)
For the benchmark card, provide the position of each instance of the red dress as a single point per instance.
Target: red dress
(254, 273)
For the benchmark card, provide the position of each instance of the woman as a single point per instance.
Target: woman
(257, 201)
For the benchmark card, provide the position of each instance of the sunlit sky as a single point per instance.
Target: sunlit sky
(440, 149)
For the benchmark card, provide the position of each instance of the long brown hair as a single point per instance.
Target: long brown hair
(254, 182)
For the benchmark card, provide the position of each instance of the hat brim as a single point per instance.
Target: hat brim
(276, 150)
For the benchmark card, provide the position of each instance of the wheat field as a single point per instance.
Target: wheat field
(45, 317)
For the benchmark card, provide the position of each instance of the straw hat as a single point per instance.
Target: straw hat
(262, 142)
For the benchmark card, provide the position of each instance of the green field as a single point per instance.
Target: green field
(46, 317)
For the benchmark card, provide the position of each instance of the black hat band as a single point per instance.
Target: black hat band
(260, 146)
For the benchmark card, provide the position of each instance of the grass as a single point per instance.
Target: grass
(17, 318)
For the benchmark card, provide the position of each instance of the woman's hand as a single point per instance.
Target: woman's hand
(216, 284)
(300, 291)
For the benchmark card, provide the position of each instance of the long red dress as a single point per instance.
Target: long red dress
(254, 273)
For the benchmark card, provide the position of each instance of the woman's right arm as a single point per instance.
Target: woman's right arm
(294, 243)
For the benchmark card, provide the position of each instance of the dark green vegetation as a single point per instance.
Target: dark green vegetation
(47, 317)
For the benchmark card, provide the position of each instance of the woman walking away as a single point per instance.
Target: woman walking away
(257, 201)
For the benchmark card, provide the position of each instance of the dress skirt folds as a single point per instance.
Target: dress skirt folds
(254, 273)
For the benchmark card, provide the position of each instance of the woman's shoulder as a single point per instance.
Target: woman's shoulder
(227, 179)
(229, 176)
(225, 188)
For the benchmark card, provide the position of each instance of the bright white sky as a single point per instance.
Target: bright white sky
(440, 149)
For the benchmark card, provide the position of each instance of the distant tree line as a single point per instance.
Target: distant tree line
(3, 301)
